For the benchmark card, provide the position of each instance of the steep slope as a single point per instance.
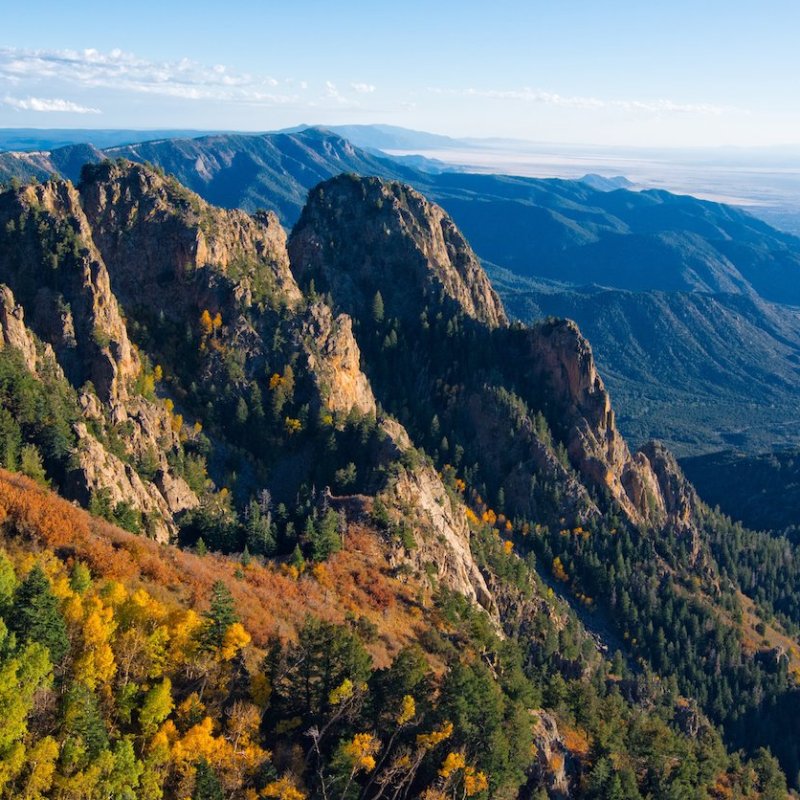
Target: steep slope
(190, 656)
(400, 253)
(210, 299)
(53, 270)
(403, 241)
(522, 414)
(568, 231)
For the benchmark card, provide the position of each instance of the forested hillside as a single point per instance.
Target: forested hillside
(379, 541)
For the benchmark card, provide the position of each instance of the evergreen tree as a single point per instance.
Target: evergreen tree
(325, 537)
(259, 533)
(206, 784)
(36, 616)
(219, 617)
(377, 308)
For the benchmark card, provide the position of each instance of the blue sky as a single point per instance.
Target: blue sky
(679, 73)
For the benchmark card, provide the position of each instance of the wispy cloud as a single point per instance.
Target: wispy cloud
(54, 104)
(121, 71)
(528, 95)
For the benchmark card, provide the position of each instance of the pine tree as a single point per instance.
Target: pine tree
(36, 616)
(206, 784)
(325, 537)
(377, 308)
(259, 536)
(219, 617)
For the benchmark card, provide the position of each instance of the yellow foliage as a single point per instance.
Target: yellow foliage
(275, 381)
(427, 741)
(283, 789)
(452, 763)
(475, 781)
(169, 405)
(206, 323)
(41, 763)
(559, 573)
(199, 742)
(320, 573)
(236, 637)
(95, 660)
(114, 593)
(341, 693)
(158, 372)
(361, 751)
(292, 425)
(148, 385)
(508, 547)
(408, 710)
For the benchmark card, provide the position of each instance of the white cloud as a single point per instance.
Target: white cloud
(123, 71)
(333, 93)
(362, 88)
(55, 104)
(527, 95)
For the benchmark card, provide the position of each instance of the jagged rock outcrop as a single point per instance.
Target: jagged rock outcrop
(358, 237)
(13, 332)
(160, 240)
(647, 484)
(99, 470)
(59, 276)
(510, 446)
(50, 228)
(136, 238)
(392, 237)
(551, 758)
(334, 359)
(441, 533)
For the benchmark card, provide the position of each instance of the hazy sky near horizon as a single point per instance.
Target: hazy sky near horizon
(683, 73)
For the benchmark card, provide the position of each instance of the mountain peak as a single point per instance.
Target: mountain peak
(408, 249)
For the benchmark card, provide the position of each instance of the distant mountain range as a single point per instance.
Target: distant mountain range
(15, 139)
(692, 326)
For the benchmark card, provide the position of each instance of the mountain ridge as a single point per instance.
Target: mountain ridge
(567, 231)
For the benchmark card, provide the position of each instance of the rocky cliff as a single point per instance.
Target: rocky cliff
(55, 271)
(360, 237)
(648, 485)
(396, 242)
(225, 336)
